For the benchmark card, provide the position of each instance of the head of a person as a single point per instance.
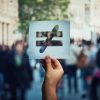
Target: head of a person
(84, 42)
(71, 41)
(19, 46)
(90, 45)
(82, 60)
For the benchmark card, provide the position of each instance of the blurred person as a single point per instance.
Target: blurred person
(84, 44)
(4, 54)
(95, 83)
(82, 63)
(32, 64)
(3, 66)
(53, 74)
(19, 71)
(72, 66)
(42, 72)
(89, 51)
(37, 77)
(2, 71)
(61, 85)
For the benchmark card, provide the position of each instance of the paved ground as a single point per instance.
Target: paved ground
(35, 93)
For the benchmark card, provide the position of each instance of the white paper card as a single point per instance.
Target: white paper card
(49, 38)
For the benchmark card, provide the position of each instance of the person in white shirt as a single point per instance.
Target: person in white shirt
(72, 66)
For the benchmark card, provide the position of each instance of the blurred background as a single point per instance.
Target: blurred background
(20, 77)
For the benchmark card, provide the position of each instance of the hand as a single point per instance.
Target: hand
(54, 72)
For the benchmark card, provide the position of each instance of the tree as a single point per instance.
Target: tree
(41, 10)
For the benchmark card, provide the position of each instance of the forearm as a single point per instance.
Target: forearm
(48, 92)
(53, 75)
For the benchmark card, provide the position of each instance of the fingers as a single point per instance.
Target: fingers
(51, 63)
(48, 63)
(56, 63)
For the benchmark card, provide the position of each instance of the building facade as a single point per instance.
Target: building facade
(8, 20)
(85, 18)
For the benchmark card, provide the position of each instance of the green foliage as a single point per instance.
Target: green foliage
(41, 10)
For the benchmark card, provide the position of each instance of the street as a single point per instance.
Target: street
(35, 92)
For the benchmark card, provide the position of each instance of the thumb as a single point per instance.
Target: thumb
(48, 63)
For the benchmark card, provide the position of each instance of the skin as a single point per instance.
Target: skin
(53, 74)
(19, 48)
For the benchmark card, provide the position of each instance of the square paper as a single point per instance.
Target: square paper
(49, 38)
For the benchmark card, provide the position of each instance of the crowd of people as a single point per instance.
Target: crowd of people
(83, 63)
(16, 72)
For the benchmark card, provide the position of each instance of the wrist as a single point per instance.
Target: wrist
(48, 92)
(48, 85)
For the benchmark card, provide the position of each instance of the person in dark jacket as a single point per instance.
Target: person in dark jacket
(19, 71)
(95, 84)
(3, 65)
